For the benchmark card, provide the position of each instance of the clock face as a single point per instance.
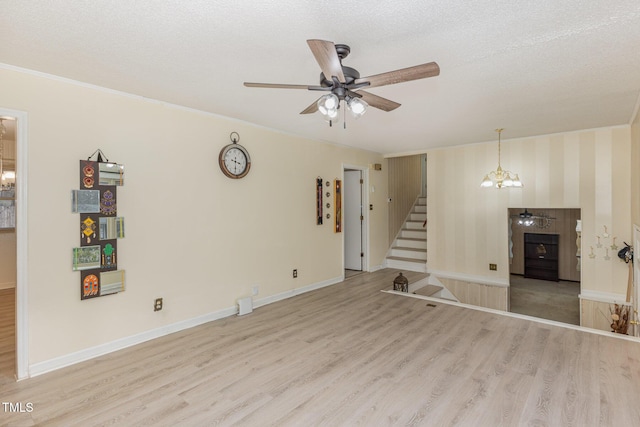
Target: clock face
(234, 161)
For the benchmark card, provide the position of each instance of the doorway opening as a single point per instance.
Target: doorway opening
(544, 263)
(18, 122)
(8, 249)
(355, 219)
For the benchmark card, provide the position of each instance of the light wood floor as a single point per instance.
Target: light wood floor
(349, 355)
(7, 338)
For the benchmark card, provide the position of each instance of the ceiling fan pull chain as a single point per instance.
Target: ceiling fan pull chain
(344, 115)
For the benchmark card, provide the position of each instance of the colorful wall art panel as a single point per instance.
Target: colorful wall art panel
(90, 284)
(100, 228)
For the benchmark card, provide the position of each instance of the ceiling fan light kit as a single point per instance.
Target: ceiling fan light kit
(528, 219)
(357, 107)
(344, 84)
(328, 106)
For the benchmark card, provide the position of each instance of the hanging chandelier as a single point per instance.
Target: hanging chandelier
(500, 178)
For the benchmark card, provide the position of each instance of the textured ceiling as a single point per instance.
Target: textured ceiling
(532, 68)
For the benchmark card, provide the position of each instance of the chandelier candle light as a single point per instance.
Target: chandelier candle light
(500, 178)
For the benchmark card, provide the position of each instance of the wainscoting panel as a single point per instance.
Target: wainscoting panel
(595, 314)
(481, 295)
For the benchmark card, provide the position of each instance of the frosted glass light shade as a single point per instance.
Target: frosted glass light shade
(328, 103)
(357, 107)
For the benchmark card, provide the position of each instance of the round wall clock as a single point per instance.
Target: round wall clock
(234, 159)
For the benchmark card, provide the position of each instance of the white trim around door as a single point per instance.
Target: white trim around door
(365, 214)
(22, 329)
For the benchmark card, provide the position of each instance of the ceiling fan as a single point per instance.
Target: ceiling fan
(529, 219)
(344, 83)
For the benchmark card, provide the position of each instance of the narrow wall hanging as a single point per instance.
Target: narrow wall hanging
(319, 201)
(96, 202)
(338, 205)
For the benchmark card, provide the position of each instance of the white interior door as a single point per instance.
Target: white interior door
(352, 219)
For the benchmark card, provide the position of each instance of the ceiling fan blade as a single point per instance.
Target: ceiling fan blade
(430, 69)
(311, 108)
(283, 86)
(378, 101)
(327, 57)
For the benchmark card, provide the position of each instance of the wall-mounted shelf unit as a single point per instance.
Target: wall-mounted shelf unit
(541, 256)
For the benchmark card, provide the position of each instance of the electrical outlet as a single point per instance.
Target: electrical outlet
(255, 290)
(157, 305)
(493, 267)
(295, 273)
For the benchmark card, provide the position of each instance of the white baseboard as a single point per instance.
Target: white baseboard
(605, 297)
(292, 293)
(99, 350)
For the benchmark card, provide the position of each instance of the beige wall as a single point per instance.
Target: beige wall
(635, 170)
(193, 236)
(590, 170)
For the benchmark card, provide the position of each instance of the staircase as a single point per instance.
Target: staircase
(409, 249)
(431, 287)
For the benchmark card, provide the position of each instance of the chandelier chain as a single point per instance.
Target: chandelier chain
(499, 133)
(500, 178)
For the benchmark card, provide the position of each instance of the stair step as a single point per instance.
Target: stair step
(411, 253)
(399, 258)
(409, 250)
(428, 290)
(416, 234)
(407, 264)
(414, 225)
(411, 242)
